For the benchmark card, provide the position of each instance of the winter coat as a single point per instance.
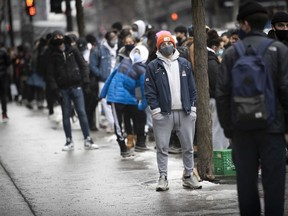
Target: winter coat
(276, 58)
(4, 62)
(66, 69)
(121, 85)
(100, 63)
(157, 90)
(213, 67)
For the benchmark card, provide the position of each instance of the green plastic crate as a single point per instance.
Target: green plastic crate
(223, 164)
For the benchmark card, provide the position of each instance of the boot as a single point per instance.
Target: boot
(125, 152)
(141, 143)
(130, 141)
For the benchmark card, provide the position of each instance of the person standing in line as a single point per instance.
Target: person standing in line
(265, 147)
(67, 74)
(102, 62)
(5, 61)
(170, 92)
(279, 31)
(279, 25)
(120, 90)
(218, 138)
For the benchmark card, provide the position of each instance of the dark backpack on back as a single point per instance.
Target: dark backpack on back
(253, 95)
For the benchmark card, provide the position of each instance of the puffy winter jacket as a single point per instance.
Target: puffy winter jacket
(66, 69)
(120, 87)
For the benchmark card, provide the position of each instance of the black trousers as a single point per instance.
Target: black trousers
(251, 150)
(91, 102)
(3, 93)
(138, 119)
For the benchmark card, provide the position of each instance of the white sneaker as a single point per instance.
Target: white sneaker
(162, 184)
(191, 182)
(68, 146)
(89, 144)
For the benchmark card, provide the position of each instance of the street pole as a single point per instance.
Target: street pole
(11, 30)
(69, 16)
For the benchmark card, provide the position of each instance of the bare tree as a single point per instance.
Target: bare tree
(203, 138)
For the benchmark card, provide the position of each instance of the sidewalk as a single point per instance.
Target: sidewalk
(40, 179)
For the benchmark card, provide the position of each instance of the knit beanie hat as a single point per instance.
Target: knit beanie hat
(165, 38)
(57, 32)
(279, 17)
(249, 8)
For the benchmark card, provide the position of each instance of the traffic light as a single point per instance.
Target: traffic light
(174, 16)
(56, 6)
(30, 7)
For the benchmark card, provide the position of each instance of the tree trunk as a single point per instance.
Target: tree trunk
(203, 138)
(80, 18)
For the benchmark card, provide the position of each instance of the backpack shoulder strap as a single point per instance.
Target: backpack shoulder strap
(264, 44)
(240, 48)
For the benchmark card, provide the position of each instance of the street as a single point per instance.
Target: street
(37, 178)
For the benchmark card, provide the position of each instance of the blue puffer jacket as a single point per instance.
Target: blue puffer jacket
(121, 85)
(157, 90)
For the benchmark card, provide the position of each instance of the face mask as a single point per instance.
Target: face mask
(137, 57)
(242, 34)
(220, 52)
(167, 50)
(113, 43)
(58, 41)
(282, 35)
(134, 34)
(179, 39)
(129, 47)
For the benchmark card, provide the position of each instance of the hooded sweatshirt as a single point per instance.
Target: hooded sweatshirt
(172, 68)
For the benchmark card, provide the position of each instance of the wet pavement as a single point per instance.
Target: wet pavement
(37, 178)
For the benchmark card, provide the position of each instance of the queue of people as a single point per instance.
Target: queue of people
(144, 78)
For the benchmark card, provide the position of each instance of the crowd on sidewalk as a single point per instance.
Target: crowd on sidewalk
(140, 80)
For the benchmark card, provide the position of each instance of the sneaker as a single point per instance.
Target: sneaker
(5, 118)
(162, 184)
(174, 150)
(68, 146)
(109, 130)
(141, 148)
(89, 144)
(191, 182)
(127, 153)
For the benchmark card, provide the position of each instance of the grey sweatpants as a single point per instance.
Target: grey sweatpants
(184, 126)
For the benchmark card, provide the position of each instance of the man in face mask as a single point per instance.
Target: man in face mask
(67, 77)
(181, 35)
(279, 25)
(171, 95)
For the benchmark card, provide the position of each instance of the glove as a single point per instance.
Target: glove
(142, 105)
(57, 95)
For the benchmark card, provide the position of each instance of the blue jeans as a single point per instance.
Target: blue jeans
(75, 95)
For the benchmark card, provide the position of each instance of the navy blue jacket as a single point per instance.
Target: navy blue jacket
(157, 90)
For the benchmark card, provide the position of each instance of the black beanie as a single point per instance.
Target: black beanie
(279, 17)
(249, 8)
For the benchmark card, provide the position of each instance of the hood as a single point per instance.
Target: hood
(141, 27)
(144, 53)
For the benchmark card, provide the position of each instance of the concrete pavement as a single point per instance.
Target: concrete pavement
(37, 178)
